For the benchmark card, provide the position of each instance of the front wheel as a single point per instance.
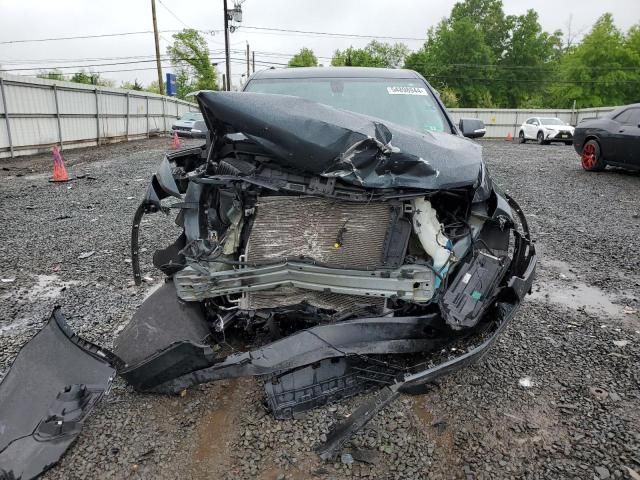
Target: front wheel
(592, 157)
(521, 138)
(541, 139)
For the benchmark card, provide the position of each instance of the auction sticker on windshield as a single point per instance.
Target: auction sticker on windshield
(407, 91)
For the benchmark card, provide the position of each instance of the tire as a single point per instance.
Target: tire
(541, 139)
(521, 138)
(568, 143)
(591, 157)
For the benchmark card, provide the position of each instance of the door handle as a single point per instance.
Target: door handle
(621, 130)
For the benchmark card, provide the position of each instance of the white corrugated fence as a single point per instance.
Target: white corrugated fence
(501, 122)
(36, 114)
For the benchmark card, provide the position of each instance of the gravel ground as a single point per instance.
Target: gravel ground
(557, 397)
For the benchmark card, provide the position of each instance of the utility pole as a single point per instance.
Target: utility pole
(155, 34)
(253, 61)
(227, 52)
(248, 72)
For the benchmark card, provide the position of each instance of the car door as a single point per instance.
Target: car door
(527, 128)
(533, 128)
(627, 138)
(524, 127)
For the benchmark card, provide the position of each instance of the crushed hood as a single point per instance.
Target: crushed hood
(314, 138)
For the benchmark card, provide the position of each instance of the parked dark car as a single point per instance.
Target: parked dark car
(613, 139)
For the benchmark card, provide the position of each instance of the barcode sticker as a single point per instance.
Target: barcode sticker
(407, 91)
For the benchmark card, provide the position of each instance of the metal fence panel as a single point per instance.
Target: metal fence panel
(42, 113)
(501, 122)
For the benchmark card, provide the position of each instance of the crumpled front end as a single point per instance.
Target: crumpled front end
(325, 251)
(339, 283)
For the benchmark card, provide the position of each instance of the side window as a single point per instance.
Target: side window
(634, 118)
(530, 121)
(624, 117)
(534, 122)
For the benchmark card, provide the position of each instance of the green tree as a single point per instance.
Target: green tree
(488, 17)
(374, 54)
(189, 54)
(132, 86)
(304, 58)
(91, 78)
(603, 69)
(449, 97)
(152, 87)
(52, 75)
(489, 59)
(450, 58)
(528, 62)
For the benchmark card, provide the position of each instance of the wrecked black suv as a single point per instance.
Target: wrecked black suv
(339, 235)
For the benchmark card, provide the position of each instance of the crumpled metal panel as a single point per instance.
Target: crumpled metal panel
(311, 137)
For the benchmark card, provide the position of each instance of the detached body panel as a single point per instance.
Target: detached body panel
(52, 386)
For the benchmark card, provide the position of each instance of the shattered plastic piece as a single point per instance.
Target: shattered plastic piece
(621, 343)
(525, 382)
(8, 280)
(84, 255)
(346, 458)
(50, 389)
(632, 473)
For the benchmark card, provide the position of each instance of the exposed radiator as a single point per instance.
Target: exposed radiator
(287, 226)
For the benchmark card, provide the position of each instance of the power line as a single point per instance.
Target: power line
(240, 61)
(173, 14)
(329, 34)
(81, 37)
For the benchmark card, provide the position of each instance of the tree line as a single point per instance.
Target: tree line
(480, 57)
(476, 57)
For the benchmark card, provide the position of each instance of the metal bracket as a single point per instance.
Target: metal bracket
(413, 283)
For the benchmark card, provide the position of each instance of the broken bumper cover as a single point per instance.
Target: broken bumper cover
(414, 382)
(52, 386)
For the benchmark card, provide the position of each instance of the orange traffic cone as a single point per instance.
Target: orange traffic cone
(509, 137)
(175, 144)
(59, 172)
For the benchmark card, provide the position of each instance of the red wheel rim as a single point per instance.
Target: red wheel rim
(589, 156)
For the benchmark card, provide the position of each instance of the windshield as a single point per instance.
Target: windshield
(191, 116)
(551, 121)
(406, 102)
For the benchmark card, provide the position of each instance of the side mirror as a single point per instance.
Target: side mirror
(472, 127)
(199, 129)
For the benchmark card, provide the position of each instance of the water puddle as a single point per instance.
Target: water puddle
(21, 323)
(559, 283)
(48, 287)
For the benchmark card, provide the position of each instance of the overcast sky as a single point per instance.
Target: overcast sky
(33, 19)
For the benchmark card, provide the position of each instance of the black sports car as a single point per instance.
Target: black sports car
(610, 140)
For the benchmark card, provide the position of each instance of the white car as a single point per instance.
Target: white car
(546, 130)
